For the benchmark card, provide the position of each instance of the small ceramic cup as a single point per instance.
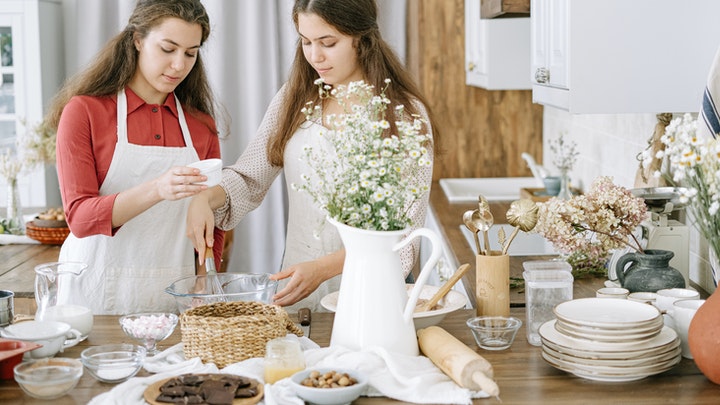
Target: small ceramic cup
(612, 292)
(52, 335)
(666, 298)
(644, 297)
(682, 312)
(212, 168)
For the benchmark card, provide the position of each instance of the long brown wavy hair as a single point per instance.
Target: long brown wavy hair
(356, 18)
(116, 63)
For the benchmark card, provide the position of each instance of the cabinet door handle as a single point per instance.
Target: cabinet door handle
(542, 75)
(471, 66)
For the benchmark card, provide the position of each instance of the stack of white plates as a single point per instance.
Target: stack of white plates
(609, 339)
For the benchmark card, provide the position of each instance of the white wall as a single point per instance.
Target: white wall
(608, 146)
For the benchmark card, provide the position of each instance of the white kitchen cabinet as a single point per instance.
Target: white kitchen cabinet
(619, 56)
(497, 51)
(32, 68)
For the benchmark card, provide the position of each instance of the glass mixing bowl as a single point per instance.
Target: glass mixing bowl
(191, 291)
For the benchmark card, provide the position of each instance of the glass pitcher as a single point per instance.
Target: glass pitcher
(58, 296)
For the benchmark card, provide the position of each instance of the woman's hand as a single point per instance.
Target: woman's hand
(180, 182)
(200, 224)
(306, 277)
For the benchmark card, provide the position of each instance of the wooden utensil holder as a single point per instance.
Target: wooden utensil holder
(492, 284)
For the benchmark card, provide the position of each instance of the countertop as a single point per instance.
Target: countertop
(520, 372)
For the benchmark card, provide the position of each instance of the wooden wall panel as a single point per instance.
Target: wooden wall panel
(484, 132)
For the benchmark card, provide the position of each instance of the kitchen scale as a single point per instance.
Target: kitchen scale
(661, 231)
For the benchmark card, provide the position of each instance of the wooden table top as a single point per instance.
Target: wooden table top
(520, 372)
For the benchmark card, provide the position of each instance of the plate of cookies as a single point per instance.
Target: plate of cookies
(227, 389)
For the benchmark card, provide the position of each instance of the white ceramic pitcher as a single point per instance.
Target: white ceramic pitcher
(373, 307)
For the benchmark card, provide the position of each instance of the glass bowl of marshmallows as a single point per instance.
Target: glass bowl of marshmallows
(149, 328)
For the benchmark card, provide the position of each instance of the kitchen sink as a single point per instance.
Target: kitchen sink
(524, 244)
(466, 190)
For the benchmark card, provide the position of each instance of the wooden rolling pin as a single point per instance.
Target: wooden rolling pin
(467, 368)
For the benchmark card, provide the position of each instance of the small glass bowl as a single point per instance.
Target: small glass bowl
(113, 363)
(149, 328)
(48, 378)
(494, 332)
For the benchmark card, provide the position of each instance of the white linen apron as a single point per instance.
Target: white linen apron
(129, 272)
(309, 235)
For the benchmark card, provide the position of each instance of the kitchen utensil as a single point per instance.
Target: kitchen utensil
(190, 291)
(11, 354)
(544, 289)
(427, 306)
(467, 368)
(58, 298)
(113, 363)
(53, 336)
(494, 332)
(214, 285)
(468, 221)
(304, 317)
(149, 328)
(452, 302)
(48, 378)
(483, 220)
(373, 307)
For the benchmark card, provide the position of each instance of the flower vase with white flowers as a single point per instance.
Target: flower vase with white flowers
(367, 179)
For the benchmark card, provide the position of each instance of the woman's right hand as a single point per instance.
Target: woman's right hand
(200, 224)
(180, 182)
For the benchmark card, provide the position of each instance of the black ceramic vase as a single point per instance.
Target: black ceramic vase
(649, 271)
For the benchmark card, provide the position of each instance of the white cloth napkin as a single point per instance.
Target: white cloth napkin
(709, 118)
(406, 378)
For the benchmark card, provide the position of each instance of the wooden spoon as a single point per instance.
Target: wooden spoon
(444, 289)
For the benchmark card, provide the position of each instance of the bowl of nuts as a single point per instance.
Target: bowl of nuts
(49, 227)
(329, 386)
(51, 218)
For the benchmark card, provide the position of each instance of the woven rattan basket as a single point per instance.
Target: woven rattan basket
(47, 236)
(228, 332)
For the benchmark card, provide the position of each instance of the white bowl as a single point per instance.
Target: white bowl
(452, 301)
(113, 363)
(52, 335)
(329, 396)
(48, 378)
(212, 168)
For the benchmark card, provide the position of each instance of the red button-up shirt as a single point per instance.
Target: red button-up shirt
(86, 139)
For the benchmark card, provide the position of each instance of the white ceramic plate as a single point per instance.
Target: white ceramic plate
(654, 326)
(452, 301)
(606, 312)
(615, 370)
(548, 332)
(606, 377)
(638, 362)
(618, 355)
(630, 336)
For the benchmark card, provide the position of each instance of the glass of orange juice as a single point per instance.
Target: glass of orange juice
(283, 358)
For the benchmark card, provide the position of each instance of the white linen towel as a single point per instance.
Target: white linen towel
(708, 118)
(412, 379)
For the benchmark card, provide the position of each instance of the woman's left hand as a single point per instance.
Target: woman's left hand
(306, 277)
